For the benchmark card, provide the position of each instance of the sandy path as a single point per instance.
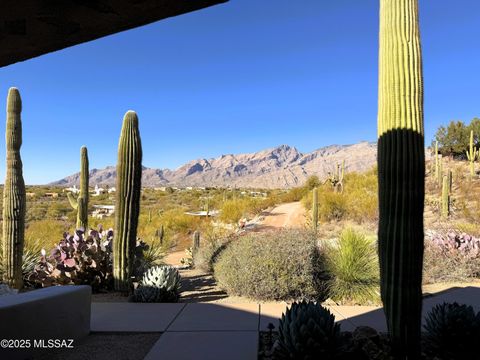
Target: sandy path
(289, 215)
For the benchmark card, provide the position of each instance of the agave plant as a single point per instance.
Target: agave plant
(451, 332)
(159, 284)
(165, 276)
(307, 331)
(152, 294)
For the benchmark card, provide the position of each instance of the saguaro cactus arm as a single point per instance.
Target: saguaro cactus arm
(73, 202)
(401, 172)
(14, 197)
(127, 204)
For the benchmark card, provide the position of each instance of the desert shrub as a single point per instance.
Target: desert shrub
(332, 206)
(213, 242)
(352, 263)
(176, 221)
(280, 265)
(358, 201)
(233, 210)
(452, 332)
(46, 232)
(361, 192)
(451, 256)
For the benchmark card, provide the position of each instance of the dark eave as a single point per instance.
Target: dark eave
(29, 28)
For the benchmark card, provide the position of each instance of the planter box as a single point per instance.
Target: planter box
(44, 319)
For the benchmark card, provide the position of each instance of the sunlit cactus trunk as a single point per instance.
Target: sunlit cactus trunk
(13, 194)
(81, 203)
(445, 197)
(127, 204)
(315, 210)
(401, 174)
(472, 155)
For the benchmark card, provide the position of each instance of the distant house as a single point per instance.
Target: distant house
(98, 191)
(102, 211)
(30, 194)
(111, 190)
(51, 194)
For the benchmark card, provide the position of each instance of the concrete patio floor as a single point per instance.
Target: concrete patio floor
(220, 331)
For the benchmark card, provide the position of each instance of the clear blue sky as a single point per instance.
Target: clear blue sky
(238, 77)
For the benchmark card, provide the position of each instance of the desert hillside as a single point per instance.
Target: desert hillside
(280, 167)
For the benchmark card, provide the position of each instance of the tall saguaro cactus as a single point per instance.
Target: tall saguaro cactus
(401, 172)
(127, 204)
(81, 203)
(315, 210)
(13, 194)
(445, 197)
(472, 154)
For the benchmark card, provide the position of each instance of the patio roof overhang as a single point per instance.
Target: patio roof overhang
(30, 28)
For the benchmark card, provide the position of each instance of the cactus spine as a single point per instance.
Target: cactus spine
(401, 172)
(472, 154)
(127, 204)
(81, 203)
(14, 197)
(315, 210)
(445, 197)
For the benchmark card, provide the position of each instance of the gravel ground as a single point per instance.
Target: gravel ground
(107, 346)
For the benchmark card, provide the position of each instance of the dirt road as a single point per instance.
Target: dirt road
(289, 215)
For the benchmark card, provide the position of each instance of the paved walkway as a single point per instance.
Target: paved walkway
(218, 331)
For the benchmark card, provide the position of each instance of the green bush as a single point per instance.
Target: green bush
(280, 265)
(352, 263)
(358, 201)
(214, 241)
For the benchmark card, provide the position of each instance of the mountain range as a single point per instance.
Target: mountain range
(280, 167)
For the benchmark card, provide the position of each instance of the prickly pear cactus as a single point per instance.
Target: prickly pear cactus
(13, 194)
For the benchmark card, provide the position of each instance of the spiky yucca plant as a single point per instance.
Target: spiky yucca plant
(307, 330)
(353, 264)
(401, 174)
(452, 332)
